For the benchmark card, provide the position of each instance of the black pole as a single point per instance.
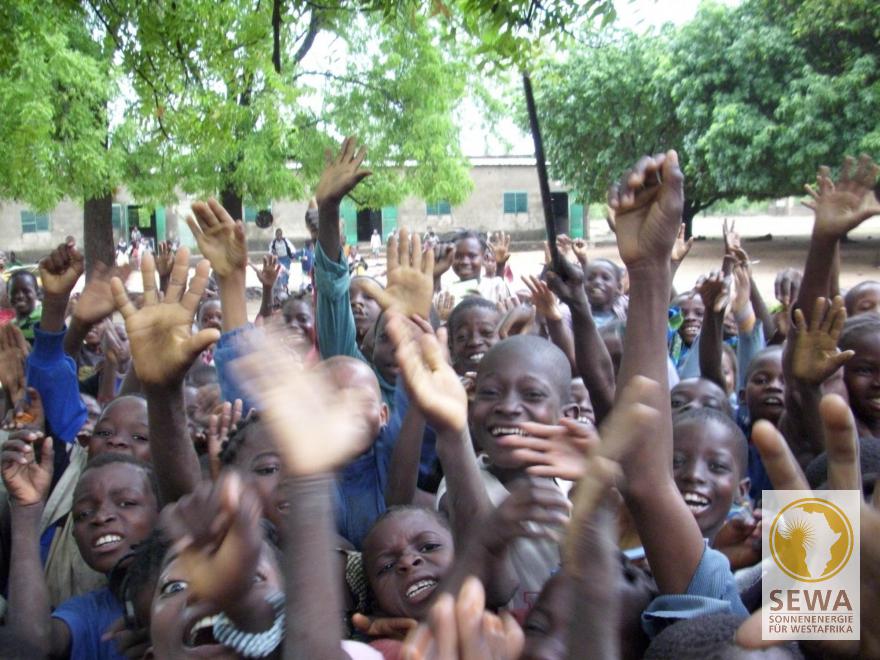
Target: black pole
(543, 182)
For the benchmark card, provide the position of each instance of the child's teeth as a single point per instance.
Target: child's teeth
(499, 431)
(419, 587)
(107, 538)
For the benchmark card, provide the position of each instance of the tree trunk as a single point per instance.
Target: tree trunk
(691, 208)
(233, 203)
(98, 232)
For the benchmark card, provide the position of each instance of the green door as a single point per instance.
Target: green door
(348, 211)
(389, 221)
(160, 224)
(576, 220)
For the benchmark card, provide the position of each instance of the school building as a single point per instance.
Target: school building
(505, 196)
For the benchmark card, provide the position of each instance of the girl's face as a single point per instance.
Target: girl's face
(581, 396)
(507, 393)
(211, 315)
(114, 508)
(692, 310)
(406, 555)
(467, 260)
(475, 332)
(602, 284)
(258, 462)
(181, 626)
(694, 393)
(862, 377)
(765, 389)
(363, 307)
(123, 429)
(867, 300)
(706, 472)
(300, 320)
(23, 296)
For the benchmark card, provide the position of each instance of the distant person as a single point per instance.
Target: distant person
(375, 243)
(284, 251)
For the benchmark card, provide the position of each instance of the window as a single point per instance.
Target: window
(252, 210)
(516, 202)
(31, 222)
(116, 217)
(439, 208)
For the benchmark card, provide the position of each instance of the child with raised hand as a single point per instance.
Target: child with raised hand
(466, 260)
(163, 349)
(304, 406)
(115, 506)
(648, 203)
(24, 296)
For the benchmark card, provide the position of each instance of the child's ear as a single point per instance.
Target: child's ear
(383, 415)
(571, 411)
(744, 486)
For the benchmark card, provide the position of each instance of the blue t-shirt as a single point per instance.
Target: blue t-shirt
(88, 617)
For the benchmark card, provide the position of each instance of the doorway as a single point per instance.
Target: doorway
(367, 221)
(559, 202)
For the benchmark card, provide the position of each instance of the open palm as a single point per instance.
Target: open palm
(839, 207)
(160, 333)
(221, 239)
(410, 277)
(815, 355)
(26, 480)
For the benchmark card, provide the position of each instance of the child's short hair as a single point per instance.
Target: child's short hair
(703, 416)
(551, 357)
(857, 327)
(849, 299)
(202, 374)
(461, 308)
(816, 471)
(142, 570)
(24, 273)
(775, 348)
(110, 458)
(235, 441)
(398, 509)
(710, 636)
(617, 270)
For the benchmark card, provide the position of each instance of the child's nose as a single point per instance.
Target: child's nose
(408, 562)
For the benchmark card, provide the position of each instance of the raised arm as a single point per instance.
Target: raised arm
(341, 175)
(163, 348)
(648, 204)
(714, 289)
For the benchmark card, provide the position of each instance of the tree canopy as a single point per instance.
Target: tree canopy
(738, 91)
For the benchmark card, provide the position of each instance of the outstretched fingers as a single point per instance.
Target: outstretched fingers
(120, 298)
(841, 439)
(780, 463)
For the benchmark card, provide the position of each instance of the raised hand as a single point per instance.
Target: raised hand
(681, 247)
(269, 272)
(219, 425)
(581, 251)
(443, 255)
(221, 239)
(569, 284)
(732, 241)
(742, 282)
(714, 289)
(115, 346)
(410, 285)
(500, 242)
(303, 406)
(543, 299)
(28, 413)
(397, 627)
(60, 269)
(27, 481)
(160, 333)
(342, 173)
(787, 285)
(14, 350)
(462, 629)
(814, 353)
(430, 380)
(517, 320)
(164, 259)
(647, 206)
(841, 207)
(444, 303)
(740, 539)
(96, 300)
(534, 509)
(559, 451)
(216, 531)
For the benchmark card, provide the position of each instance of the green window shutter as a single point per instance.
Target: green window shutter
(32, 223)
(250, 213)
(160, 223)
(509, 202)
(442, 207)
(116, 217)
(389, 220)
(576, 220)
(348, 212)
(516, 202)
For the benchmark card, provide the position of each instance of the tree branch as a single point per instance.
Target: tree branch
(314, 28)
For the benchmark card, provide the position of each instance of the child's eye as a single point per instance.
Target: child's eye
(677, 461)
(79, 516)
(386, 567)
(266, 470)
(140, 438)
(128, 503)
(173, 587)
(535, 395)
(102, 433)
(719, 467)
(429, 547)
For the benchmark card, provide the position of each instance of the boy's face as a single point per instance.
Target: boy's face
(475, 332)
(546, 626)
(866, 301)
(301, 325)
(581, 396)
(507, 393)
(23, 295)
(862, 376)
(383, 352)
(181, 626)
(707, 472)
(490, 267)
(602, 285)
(114, 508)
(211, 316)
(694, 393)
(728, 371)
(764, 392)
(123, 429)
(364, 308)
(467, 259)
(93, 337)
(357, 375)
(258, 461)
(692, 310)
(406, 555)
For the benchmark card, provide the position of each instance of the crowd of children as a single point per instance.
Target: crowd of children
(443, 464)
